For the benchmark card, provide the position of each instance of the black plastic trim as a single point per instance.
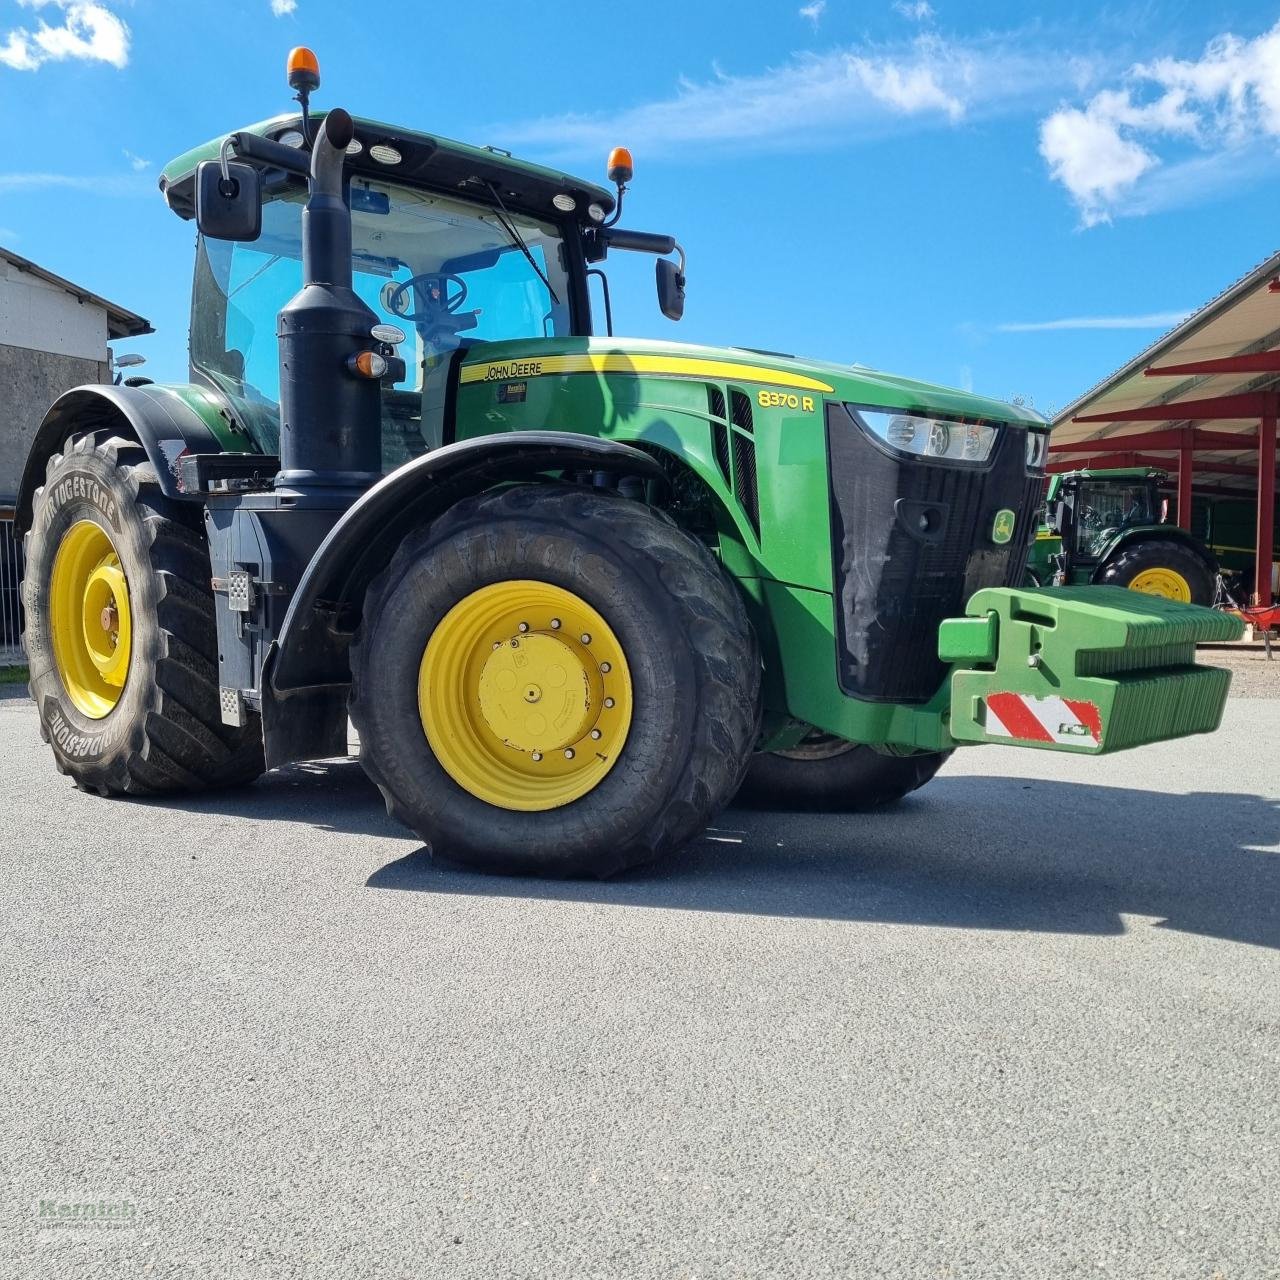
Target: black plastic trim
(159, 420)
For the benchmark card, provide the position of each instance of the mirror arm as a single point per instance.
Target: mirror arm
(249, 146)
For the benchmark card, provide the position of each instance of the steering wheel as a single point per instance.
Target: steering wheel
(425, 297)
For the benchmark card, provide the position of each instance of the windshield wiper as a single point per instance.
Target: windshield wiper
(504, 221)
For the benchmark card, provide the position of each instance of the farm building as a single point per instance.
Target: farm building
(53, 336)
(1201, 404)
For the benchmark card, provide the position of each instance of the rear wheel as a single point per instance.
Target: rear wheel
(827, 774)
(556, 681)
(120, 631)
(1160, 567)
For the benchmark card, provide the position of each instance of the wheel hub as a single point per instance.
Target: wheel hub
(525, 695)
(1168, 583)
(538, 693)
(90, 623)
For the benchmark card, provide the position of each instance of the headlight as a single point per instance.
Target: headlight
(1037, 450)
(929, 437)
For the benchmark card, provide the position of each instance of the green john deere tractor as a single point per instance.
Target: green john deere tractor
(1110, 527)
(571, 589)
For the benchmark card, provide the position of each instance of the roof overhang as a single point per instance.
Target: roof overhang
(1204, 386)
(120, 322)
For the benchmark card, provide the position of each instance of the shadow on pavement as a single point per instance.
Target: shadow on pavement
(968, 852)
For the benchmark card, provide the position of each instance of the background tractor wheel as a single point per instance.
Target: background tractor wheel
(120, 630)
(827, 774)
(1162, 568)
(554, 680)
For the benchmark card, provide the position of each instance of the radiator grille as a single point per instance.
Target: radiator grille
(744, 474)
(719, 432)
(895, 581)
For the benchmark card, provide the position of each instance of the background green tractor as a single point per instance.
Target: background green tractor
(1110, 527)
(572, 589)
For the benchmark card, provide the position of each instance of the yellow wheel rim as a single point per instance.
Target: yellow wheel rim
(525, 695)
(1168, 583)
(89, 619)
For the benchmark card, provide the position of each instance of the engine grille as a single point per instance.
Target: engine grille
(894, 580)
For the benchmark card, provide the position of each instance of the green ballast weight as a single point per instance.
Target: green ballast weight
(1087, 669)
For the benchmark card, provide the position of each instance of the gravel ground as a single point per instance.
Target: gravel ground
(1028, 1024)
(1252, 674)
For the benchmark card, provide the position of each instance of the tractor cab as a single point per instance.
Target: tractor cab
(1112, 528)
(1088, 509)
(452, 246)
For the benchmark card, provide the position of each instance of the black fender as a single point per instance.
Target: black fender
(326, 607)
(1157, 533)
(159, 419)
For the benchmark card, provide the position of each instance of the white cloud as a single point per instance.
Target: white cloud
(1153, 320)
(814, 11)
(136, 163)
(282, 8)
(1189, 119)
(110, 185)
(815, 99)
(916, 10)
(89, 31)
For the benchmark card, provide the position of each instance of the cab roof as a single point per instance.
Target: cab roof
(426, 160)
(1118, 473)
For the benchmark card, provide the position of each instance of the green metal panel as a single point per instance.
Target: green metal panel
(217, 414)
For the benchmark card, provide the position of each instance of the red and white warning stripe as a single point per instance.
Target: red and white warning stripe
(1061, 721)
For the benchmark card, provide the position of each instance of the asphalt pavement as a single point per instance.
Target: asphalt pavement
(1026, 1024)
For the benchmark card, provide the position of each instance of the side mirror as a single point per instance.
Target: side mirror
(228, 206)
(670, 289)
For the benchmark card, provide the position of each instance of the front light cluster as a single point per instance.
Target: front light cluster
(1037, 450)
(930, 437)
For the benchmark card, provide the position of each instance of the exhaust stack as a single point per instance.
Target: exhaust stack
(330, 416)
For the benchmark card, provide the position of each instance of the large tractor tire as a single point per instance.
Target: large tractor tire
(120, 634)
(828, 775)
(555, 681)
(1160, 567)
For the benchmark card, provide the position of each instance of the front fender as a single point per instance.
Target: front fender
(166, 421)
(1166, 532)
(326, 607)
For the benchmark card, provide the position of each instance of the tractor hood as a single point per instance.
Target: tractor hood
(854, 384)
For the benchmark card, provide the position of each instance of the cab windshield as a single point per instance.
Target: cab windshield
(447, 272)
(1104, 508)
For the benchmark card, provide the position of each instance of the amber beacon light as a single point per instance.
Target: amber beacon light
(621, 167)
(304, 70)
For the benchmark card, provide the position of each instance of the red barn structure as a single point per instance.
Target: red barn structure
(1200, 403)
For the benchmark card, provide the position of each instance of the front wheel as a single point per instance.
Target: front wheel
(555, 681)
(828, 775)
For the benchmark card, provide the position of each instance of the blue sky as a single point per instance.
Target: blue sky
(1008, 197)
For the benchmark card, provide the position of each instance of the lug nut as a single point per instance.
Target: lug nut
(595, 733)
(555, 624)
(524, 626)
(608, 702)
(585, 638)
(568, 753)
(497, 644)
(537, 755)
(606, 667)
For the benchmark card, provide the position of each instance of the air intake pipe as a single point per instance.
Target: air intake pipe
(330, 416)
